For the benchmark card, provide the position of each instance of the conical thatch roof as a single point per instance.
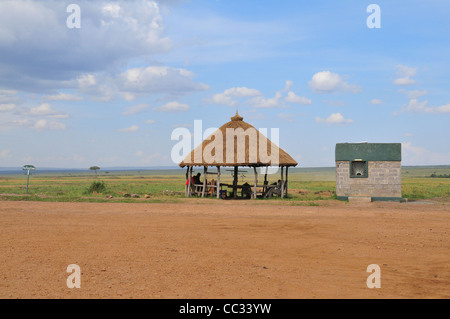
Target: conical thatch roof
(211, 148)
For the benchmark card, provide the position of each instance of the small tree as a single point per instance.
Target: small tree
(94, 168)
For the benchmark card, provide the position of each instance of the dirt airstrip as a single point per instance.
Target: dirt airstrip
(225, 249)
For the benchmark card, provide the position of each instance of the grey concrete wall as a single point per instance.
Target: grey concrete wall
(384, 180)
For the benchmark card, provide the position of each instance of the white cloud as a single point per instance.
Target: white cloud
(111, 9)
(22, 122)
(223, 99)
(241, 92)
(404, 81)
(328, 82)
(276, 101)
(415, 106)
(58, 116)
(46, 110)
(334, 118)
(376, 102)
(409, 148)
(256, 98)
(43, 109)
(100, 89)
(4, 154)
(63, 97)
(262, 102)
(44, 124)
(130, 129)
(39, 52)
(7, 107)
(289, 85)
(41, 124)
(172, 107)
(414, 94)
(236, 92)
(158, 79)
(140, 81)
(8, 96)
(135, 109)
(293, 98)
(442, 109)
(403, 70)
(127, 96)
(405, 74)
(87, 80)
(416, 155)
(150, 122)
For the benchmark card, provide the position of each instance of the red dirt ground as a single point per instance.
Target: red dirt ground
(226, 250)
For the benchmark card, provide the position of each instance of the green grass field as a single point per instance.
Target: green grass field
(167, 186)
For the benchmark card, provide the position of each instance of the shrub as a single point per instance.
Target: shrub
(98, 187)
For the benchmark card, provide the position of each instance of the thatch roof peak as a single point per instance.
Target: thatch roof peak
(249, 140)
(237, 117)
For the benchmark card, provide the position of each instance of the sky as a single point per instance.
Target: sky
(111, 90)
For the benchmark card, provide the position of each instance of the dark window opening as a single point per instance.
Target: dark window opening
(359, 169)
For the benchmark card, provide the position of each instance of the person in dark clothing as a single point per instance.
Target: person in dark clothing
(197, 179)
(246, 190)
(197, 182)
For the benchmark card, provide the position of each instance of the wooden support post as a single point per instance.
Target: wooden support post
(190, 184)
(186, 186)
(205, 169)
(218, 182)
(265, 180)
(286, 181)
(235, 181)
(282, 183)
(256, 182)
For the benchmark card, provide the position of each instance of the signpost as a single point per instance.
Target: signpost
(28, 168)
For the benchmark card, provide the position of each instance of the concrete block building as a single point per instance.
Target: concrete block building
(369, 170)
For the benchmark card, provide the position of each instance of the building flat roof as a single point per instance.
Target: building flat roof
(368, 151)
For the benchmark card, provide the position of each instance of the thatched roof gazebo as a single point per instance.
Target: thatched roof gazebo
(235, 144)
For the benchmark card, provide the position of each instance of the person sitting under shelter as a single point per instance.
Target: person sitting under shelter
(274, 189)
(197, 179)
(211, 190)
(197, 182)
(246, 190)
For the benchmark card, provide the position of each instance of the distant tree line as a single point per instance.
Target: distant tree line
(440, 175)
